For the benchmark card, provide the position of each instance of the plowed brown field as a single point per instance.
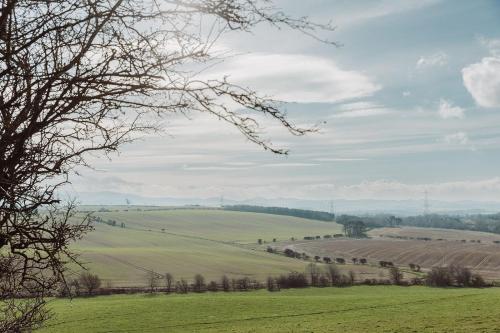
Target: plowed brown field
(483, 257)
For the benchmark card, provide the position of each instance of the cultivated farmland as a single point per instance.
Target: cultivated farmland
(210, 242)
(436, 233)
(483, 258)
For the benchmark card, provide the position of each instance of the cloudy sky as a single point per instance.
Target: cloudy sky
(410, 102)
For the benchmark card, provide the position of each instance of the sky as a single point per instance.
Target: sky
(409, 102)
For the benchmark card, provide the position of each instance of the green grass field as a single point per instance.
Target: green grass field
(228, 226)
(357, 309)
(210, 242)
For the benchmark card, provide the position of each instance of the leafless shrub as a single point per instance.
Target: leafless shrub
(225, 283)
(212, 286)
(396, 275)
(182, 287)
(199, 283)
(169, 281)
(152, 280)
(90, 282)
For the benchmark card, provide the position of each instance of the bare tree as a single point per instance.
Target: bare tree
(396, 275)
(152, 280)
(80, 77)
(199, 283)
(272, 284)
(90, 282)
(182, 286)
(212, 286)
(75, 287)
(225, 283)
(169, 281)
(462, 275)
(314, 273)
(333, 273)
(352, 277)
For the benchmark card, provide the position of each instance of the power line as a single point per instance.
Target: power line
(426, 203)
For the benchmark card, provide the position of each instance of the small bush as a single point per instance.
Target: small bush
(225, 283)
(477, 281)
(182, 287)
(293, 280)
(212, 286)
(199, 284)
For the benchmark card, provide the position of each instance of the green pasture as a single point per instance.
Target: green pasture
(356, 309)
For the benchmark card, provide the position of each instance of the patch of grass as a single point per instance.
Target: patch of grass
(357, 309)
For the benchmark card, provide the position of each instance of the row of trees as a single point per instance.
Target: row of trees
(85, 284)
(167, 283)
(324, 237)
(353, 226)
(308, 214)
(454, 275)
(261, 241)
(88, 284)
(479, 222)
(327, 260)
(109, 222)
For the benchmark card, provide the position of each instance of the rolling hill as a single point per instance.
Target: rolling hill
(184, 242)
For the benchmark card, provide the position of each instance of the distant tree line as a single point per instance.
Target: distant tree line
(454, 276)
(353, 226)
(307, 214)
(478, 222)
(110, 222)
(485, 223)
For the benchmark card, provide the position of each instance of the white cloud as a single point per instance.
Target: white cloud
(213, 168)
(482, 189)
(482, 80)
(361, 109)
(460, 138)
(448, 110)
(485, 189)
(436, 59)
(379, 8)
(297, 78)
(492, 44)
(406, 93)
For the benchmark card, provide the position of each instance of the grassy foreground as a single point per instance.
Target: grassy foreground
(357, 309)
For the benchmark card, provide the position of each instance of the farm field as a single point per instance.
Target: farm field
(436, 233)
(481, 258)
(356, 309)
(210, 242)
(227, 226)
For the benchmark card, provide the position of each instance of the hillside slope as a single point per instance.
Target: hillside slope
(210, 242)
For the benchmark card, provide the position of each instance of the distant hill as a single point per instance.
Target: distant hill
(342, 206)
